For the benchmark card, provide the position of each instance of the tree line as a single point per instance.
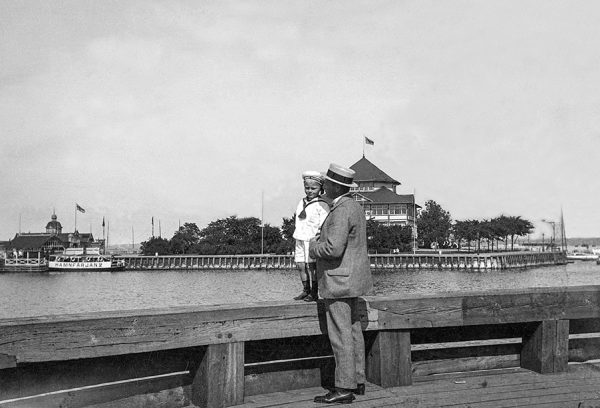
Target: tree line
(435, 229)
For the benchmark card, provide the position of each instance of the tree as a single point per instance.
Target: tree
(185, 239)
(287, 231)
(232, 235)
(434, 224)
(383, 238)
(156, 245)
(518, 227)
(465, 230)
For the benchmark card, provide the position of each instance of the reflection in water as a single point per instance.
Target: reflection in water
(30, 294)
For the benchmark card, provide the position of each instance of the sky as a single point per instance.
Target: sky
(191, 111)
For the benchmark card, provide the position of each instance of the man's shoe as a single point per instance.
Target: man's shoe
(336, 397)
(360, 389)
(310, 298)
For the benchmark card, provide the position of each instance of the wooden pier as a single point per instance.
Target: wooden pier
(27, 264)
(451, 261)
(422, 351)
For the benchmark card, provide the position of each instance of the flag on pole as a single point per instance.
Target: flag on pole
(102, 222)
(369, 141)
(153, 221)
(79, 208)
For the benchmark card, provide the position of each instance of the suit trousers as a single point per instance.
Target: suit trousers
(347, 341)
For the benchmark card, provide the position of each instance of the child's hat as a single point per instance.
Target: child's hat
(313, 175)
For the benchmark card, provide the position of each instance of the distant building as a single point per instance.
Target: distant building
(51, 241)
(376, 192)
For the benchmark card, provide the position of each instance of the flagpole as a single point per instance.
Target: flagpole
(75, 217)
(364, 142)
(414, 220)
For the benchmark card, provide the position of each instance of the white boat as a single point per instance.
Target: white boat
(581, 256)
(84, 259)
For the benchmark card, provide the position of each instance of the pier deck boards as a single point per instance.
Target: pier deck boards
(577, 388)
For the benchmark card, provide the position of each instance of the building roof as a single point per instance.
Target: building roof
(30, 241)
(83, 236)
(386, 196)
(33, 240)
(367, 171)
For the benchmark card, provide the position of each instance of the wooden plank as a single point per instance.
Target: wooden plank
(167, 392)
(38, 378)
(577, 326)
(545, 347)
(7, 361)
(74, 339)
(420, 312)
(288, 375)
(477, 394)
(219, 381)
(561, 347)
(388, 360)
(99, 334)
(435, 367)
(584, 349)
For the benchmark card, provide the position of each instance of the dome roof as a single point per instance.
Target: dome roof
(54, 224)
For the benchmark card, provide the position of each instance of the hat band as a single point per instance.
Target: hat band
(338, 177)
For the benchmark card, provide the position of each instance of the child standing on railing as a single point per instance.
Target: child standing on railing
(309, 217)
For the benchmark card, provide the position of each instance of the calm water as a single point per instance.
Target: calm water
(29, 294)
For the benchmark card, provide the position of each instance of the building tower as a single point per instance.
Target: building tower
(54, 227)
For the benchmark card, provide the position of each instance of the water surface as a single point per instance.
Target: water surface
(35, 294)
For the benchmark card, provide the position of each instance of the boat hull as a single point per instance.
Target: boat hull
(84, 266)
(582, 257)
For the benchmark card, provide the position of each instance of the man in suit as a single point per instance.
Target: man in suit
(343, 274)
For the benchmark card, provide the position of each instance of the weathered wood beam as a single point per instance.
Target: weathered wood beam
(388, 360)
(100, 334)
(219, 381)
(38, 378)
(546, 347)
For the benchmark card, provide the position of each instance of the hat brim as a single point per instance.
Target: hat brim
(354, 185)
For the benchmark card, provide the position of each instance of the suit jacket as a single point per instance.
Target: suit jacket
(343, 268)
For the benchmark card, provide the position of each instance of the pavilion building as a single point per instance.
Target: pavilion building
(376, 193)
(51, 241)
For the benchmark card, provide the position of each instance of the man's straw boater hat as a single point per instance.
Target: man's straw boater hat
(341, 175)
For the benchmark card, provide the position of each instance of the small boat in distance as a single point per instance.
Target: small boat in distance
(84, 259)
(581, 256)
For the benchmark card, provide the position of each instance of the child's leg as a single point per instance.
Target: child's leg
(314, 291)
(304, 277)
(300, 258)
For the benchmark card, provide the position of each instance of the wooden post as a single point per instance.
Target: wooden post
(219, 381)
(546, 347)
(388, 361)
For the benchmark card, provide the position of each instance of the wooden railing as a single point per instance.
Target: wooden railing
(213, 356)
(39, 264)
(500, 260)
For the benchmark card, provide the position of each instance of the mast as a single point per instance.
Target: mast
(563, 235)
(103, 235)
(262, 223)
